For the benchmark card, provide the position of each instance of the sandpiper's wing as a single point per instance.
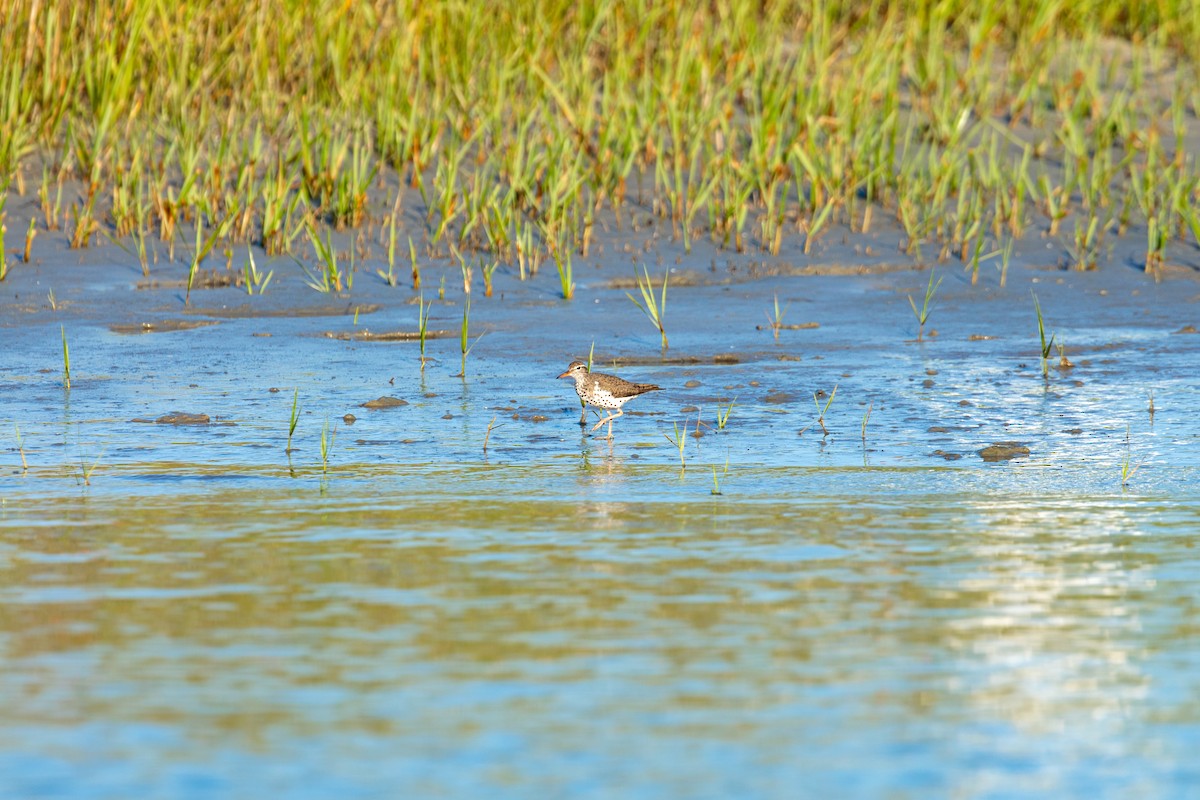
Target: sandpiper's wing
(619, 387)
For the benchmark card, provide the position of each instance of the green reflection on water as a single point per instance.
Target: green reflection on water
(446, 602)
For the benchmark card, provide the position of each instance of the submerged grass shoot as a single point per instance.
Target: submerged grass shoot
(86, 470)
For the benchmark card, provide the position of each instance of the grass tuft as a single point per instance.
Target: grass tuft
(655, 308)
(66, 359)
(1046, 346)
(294, 418)
(922, 315)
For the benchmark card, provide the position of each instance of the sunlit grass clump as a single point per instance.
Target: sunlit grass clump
(514, 125)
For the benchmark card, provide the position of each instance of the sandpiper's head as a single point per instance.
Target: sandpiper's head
(577, 370)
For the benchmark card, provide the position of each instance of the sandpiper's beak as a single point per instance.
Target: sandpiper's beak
(566, 374)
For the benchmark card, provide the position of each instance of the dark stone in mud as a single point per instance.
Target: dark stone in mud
(689, 410)
(691, 384)
(1003, 451)
(349, 419)
(1186, 329)
(779, 398)
(928, 383)
(385, 402)
(947, 456)
(178, 418)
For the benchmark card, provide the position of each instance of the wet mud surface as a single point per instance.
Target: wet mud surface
(1121, 385)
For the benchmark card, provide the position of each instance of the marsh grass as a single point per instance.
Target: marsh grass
(254, 280)
(1128, 470)
(655, 308)
(922, 314)
(679, 441)
(723, 416)
(66, 359)
(1046, 346)
(328, 278)
(519, 127)
(84, 475)
(488, 270)
(775, 323)
(464, 269)
(21, 448)
(389, 277)
(204, 246)
(562, 262)
(30, 232)
(866, 418)
(328, 437)
(293, 419)
(823, 409)
(488, 434)
(423, 325)
(3, 233)
(465, 345)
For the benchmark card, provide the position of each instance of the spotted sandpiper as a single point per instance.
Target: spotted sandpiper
(604, 391)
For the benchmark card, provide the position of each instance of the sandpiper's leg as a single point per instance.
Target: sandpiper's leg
(610, 420)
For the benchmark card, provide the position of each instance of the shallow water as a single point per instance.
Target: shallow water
(442, 630)
(189, 611)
